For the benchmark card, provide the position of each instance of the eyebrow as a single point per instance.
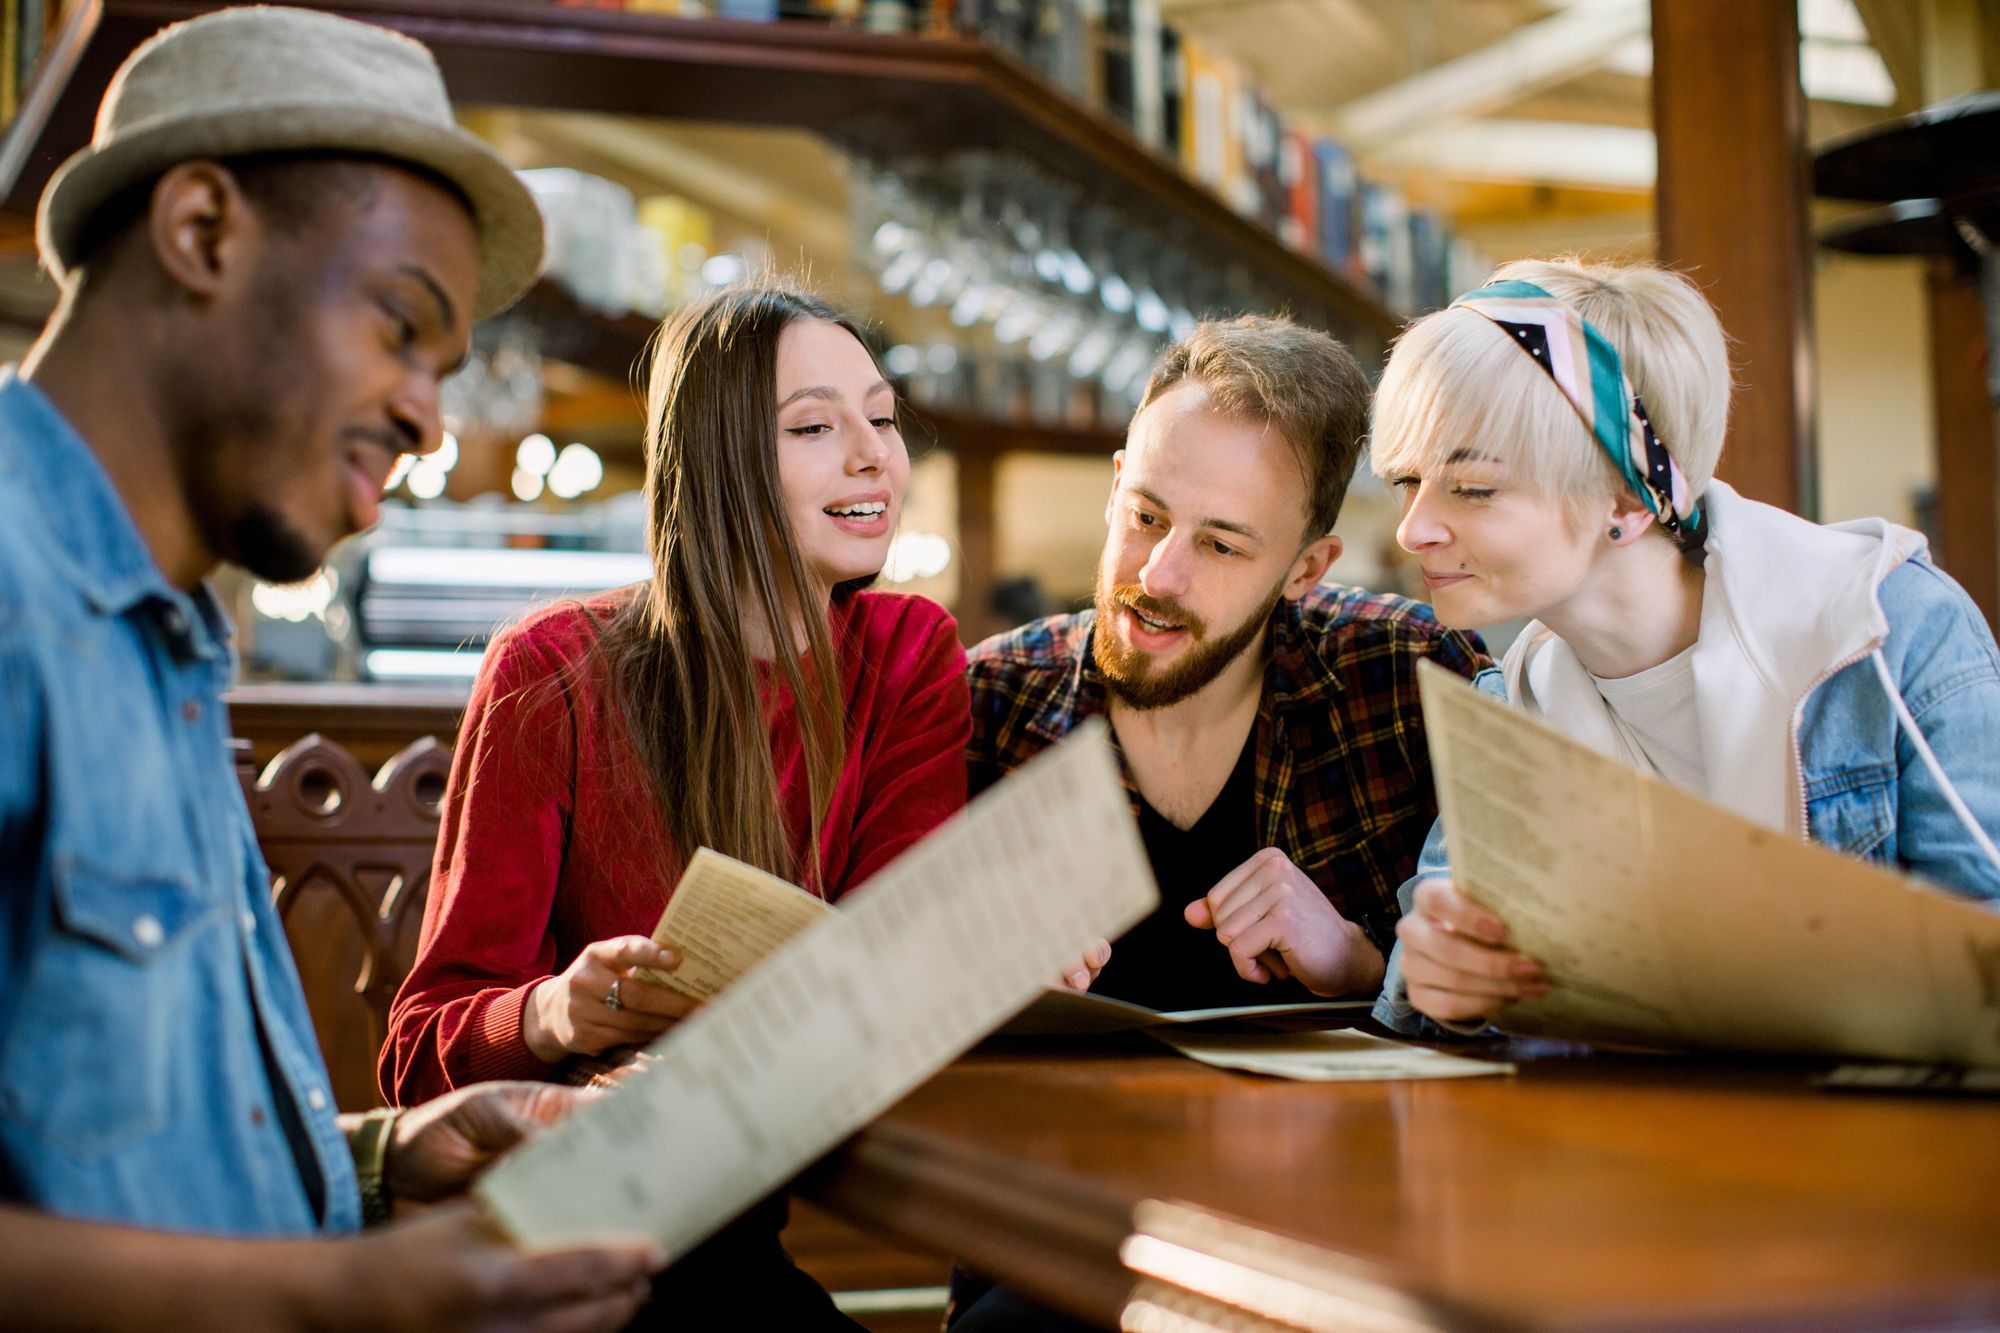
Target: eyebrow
(830, 394)
(1220, 524)
(431, 285)
(1470, 456)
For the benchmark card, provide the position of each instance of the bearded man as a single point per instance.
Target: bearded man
(1267, 722)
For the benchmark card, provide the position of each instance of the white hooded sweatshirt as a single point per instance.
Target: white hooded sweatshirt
(1787, 603)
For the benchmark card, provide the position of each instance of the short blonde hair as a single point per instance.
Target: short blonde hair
(1455, 379)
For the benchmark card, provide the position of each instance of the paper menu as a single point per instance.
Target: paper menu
(1217, 1037)
(724, 917)
(1665, 920)
(850, 1014)
(1057, 1012)
(1323, 1057)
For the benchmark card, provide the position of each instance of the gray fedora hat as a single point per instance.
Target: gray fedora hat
(261, 79)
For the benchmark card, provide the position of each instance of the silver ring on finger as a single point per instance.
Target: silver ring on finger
(611, 1000)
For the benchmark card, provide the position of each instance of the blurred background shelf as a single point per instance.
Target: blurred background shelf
(889, 92)
(770, 125)
(1520, 126)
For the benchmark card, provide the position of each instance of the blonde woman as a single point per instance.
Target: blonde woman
(1554, 436)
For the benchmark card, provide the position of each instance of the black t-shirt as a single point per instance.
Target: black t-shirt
(1165, 963)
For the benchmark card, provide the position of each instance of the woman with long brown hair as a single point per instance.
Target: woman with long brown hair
(751, 696)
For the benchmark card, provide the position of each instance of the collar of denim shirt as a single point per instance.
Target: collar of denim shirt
(96, 541)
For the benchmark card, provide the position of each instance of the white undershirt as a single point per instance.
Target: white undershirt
(1654, 712)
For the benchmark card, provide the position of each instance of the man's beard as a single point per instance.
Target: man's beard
(272, 549)
(1127, 671)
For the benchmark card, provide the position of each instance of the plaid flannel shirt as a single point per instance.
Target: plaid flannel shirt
(1343, 777)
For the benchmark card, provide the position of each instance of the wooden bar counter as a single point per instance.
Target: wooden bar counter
(1588, 1191)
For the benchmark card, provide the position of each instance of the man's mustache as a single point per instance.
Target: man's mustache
(1174, 613)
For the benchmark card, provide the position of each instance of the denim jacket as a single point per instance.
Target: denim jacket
(157, 1062)
(1864, 789)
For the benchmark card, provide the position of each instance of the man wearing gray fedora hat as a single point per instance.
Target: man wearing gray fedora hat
(270, 254)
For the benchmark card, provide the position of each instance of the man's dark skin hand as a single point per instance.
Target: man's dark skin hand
(441, 1146)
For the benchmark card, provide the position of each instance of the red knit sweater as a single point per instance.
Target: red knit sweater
(551, 839)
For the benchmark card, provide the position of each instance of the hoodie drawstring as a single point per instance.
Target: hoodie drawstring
(1931, 760)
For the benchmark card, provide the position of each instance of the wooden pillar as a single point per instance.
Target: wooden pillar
(977, 525)
(1730, 120)
(1968, 467)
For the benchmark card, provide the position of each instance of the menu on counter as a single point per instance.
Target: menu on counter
(846, 1017)
(1663, 920)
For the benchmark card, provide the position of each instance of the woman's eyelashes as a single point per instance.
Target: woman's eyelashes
(1462, 489)
(879, 421)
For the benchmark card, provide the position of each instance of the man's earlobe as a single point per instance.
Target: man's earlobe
(1311, 566)
(197, 224)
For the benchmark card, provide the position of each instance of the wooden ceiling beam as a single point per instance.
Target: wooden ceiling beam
(1527, 60)
(1895, 31)
(1534, 152)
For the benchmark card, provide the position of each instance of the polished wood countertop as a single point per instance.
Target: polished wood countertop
(1588, 1191)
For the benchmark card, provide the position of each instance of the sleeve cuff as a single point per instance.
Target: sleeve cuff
(1394, 1011)
(1477, 1028)
(499, 1050)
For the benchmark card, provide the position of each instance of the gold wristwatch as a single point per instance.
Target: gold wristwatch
(370, 1145)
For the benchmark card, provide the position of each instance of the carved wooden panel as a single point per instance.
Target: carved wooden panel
(350, 866)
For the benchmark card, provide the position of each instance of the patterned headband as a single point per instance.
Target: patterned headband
(1585, 366)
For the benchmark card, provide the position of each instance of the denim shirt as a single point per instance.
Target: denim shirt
(1868, 792)
(157, 1062)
